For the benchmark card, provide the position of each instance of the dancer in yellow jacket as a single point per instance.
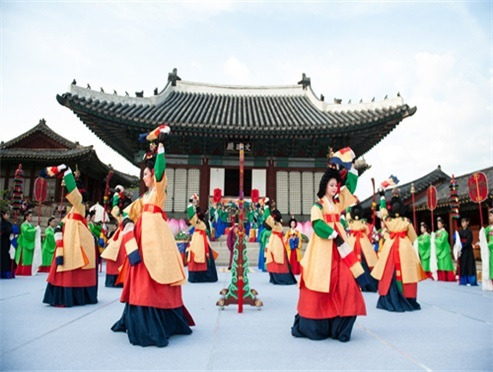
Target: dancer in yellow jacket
(359, 240)
(330, 298)
(72, 280)
(294, 243)
(276, 256)
(153, 270)
(398, 268)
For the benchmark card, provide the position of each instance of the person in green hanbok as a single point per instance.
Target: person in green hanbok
(94, 227)
(444, 254)
(489, 238)
(486, 247)
(25, 249)
(49, 245)
(424, 248)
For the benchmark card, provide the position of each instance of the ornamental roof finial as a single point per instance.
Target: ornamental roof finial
(305, 81)
(173, 77)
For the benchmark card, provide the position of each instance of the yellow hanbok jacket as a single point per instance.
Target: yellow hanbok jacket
(159, 250)
(317, 261)
(412, 271)
(78, 250)
(290, 233)
(275, 246)
(366, 246)
(200, 241)
(133, 211)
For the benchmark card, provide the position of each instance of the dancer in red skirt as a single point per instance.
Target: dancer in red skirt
(201, 257)
(277, 261)
(359, 240)
(398, 268)
(72, 280)
(114, 253)
(330, 298)
(294, 242)
(153, 271)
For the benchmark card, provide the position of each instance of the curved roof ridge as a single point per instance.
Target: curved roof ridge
(230, 89)
(386, 103)
(45, 129)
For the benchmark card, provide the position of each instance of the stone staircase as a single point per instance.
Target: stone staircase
(223, 259)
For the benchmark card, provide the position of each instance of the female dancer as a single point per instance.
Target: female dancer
(277, 259)
(153, 270)
(113, 253)
(398, 268)
(330, 298)
(201, 265)
(294, 242)
(72, 280)
(360, 242)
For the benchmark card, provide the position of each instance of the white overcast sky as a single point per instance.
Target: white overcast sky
(438, 55)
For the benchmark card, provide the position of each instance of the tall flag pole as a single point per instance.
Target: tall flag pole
(413, 190)
(373, 204)
(431, 194)
(239, 291)
(241, 230)
(106, 198)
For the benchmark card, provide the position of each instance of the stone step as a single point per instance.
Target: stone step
(223, 258)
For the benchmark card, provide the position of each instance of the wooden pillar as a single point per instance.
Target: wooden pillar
(271, 180)
(7, 175)
(205, 180)
(31, 186)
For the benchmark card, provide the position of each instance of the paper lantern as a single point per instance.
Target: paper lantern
(217, 195)
(255, 196)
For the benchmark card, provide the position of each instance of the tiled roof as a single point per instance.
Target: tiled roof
(69, 153)
(43, 128)
(212, 111)
(45, 154)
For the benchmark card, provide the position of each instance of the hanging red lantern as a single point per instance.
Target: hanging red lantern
(217, 195)
(255, 196)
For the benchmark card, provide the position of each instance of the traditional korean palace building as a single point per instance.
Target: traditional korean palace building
(286, 132)
(40, 147)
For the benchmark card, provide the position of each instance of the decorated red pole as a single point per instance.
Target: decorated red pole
(373, 203)
(106, 198)
(413, 190)
(241, 231)
(239, 291)
(477, 186)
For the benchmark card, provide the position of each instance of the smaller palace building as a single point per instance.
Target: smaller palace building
(286, 132)
(441, 180)
(41, 147)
